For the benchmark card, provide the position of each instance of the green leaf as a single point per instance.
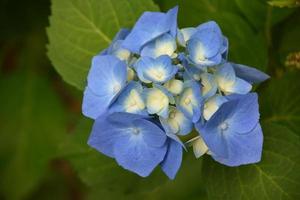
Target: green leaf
(277, 176)
(255, 11)
(260, 15)
(32, 124)
(285, 3)
(245, 45)
(107, 179)
(81, 29)
(280, 102)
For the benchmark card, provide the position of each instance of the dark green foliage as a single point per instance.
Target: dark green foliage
(43, 150)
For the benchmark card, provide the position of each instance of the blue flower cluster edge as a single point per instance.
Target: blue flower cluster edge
(156, 83)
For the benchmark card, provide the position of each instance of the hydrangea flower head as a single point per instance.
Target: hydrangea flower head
(156, 83)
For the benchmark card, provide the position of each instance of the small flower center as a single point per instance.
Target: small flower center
(159, 74)
(201, 57)
(135, 131)
(224, 126)
(187, 101)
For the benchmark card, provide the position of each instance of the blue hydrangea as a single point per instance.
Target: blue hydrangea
(157, 83)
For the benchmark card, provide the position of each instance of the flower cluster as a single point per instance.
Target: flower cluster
(155, 83)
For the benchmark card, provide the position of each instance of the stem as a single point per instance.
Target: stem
(190, 136)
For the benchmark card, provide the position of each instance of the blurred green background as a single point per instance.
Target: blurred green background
(43, 150)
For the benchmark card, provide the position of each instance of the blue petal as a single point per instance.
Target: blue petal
(224, 50)
(240, 87)
(190, 101)
(210, 87)
(213, 138)
(123, 119)
(225, 73)
(246, 113)
(213, 27)
(157, 70)
(210, 25)
(184, 35)
(153, 135)
(172, 20)
(199, 55)
(206, 45)
(165, 63)
(237, 116)
(136, 143)
(163, 45)
(215, 60)
(211, 132)
(136, 152)
(94, 105)
(173, 159)
(192, 72)
(212, 105)
(140, 66)
(229, 83)
(107, 75)
(244, 148)
(106, 79)
(137, 157)
(130, 100)
(104, 135)
(149, 26)
(176, 138)
(186, 126)
(249, 74)
(207, 40)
